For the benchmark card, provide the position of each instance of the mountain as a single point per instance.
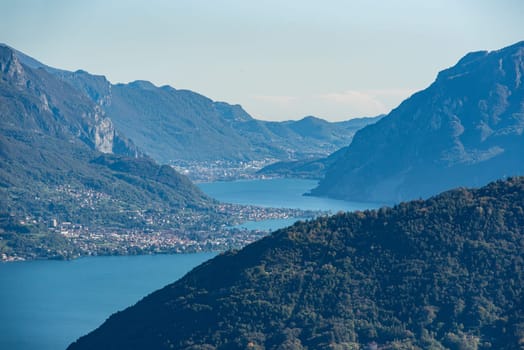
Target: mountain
(173, 125)
(313, 168)
(34, 100)
(444, 273)
(61, 158)
(466, 129)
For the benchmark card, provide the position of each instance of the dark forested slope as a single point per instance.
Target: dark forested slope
(444, 273)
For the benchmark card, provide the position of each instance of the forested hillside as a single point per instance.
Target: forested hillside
(443, 273)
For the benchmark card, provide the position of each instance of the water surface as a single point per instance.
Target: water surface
(46, 305)
(278, 193)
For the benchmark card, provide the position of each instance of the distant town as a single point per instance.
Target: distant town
(69, 240)
(221, 170)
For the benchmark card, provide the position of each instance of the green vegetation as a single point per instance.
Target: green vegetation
(310, 168)
(444, 273)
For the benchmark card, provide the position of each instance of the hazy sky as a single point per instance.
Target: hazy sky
(279, 59)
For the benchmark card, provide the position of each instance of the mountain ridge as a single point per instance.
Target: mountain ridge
(169, 124)
(313, 168)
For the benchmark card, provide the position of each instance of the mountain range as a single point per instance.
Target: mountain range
(465, 129)
(445, 273)
(173, 125)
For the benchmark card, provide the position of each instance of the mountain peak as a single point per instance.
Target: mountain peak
(168, 88)
(312, 119)
(6, 55)
(476, 60)
(30, 62)
(83, 73)
(465, 129)
(143, 84)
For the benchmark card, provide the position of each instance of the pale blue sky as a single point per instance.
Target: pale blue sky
(279, 59)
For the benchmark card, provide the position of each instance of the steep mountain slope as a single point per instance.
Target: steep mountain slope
(58, 157)
(445, 273)
(35, 101)
(171, 124)
(464, 130)
(175, 124)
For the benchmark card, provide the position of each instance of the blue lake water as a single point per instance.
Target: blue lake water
(46, 305)
(278, 193)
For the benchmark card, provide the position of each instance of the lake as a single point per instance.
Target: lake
(278, 193)
(46, 305)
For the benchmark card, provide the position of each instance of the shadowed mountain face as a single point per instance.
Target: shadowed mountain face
(58, 151)
(445, 273)
(466, 129)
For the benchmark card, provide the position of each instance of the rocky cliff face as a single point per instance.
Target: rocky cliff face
(11, 67)
(104, 133)
(464, 130)
(57, 100)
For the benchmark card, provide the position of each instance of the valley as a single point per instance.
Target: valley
(73, 185)
(399, 231)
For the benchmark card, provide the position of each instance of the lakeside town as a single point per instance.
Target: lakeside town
(221, 170)
(81, 242)
(185, 232)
